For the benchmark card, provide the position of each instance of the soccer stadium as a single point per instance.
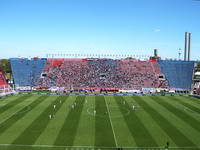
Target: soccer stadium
(100, 103)
(90, 100)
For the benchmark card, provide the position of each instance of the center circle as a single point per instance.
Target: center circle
(114, 112)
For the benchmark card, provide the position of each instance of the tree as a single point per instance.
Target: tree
(5, 65)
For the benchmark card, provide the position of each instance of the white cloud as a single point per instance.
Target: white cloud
(156, 30)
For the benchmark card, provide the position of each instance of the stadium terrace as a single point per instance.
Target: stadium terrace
(101, 74)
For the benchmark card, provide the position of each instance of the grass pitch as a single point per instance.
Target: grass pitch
(98, 122)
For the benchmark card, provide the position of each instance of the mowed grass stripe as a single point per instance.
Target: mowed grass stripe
(86, 129)
(14, 103)
(182, 100)
(178, 137)
(177, 122)
(177, 112)
(139, 132)
(35, 129)
(20, 126)
(50, 133)
(123, 134)
(20, 114)
(68, 131)
(8, 99)
(194, 100)
(153, 128)
(13, 110)
(189, 132)
(103, 130)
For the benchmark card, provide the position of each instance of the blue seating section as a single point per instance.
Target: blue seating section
(26, 72)
(178, 73)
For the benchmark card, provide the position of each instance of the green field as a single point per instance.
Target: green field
(25, 122)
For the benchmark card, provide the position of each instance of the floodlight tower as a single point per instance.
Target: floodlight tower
(186, 46)
(189, 46)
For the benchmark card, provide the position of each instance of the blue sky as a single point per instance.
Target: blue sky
(37, 27)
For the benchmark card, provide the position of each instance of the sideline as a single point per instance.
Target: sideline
(92, 147)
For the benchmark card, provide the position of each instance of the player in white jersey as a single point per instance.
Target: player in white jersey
(94, 112)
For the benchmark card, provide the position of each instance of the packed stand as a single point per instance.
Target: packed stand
(101, 73)
(198, 91)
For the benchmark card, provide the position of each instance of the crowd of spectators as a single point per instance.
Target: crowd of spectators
(197, 88)
(198, 91)
(102, 73)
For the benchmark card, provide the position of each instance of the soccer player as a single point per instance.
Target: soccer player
(133, 107)
(94, 112)
(49, 116)
(54, 106)
(167, 145)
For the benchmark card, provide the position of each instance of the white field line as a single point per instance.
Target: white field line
(111, 123)
(63, 146)
(16, 112)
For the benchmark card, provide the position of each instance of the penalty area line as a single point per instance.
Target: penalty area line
(111, 123)
(16, 113)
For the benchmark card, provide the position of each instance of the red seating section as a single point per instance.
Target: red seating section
(102, 73)
(3, 83)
